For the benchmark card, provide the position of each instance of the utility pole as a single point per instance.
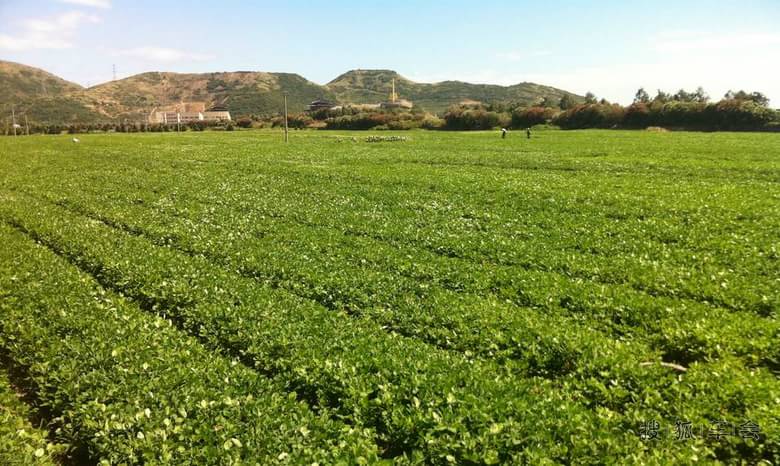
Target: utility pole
(26, 125)
(286, 137)
(13, 119)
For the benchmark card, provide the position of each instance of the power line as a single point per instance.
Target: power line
(285, 117)
(13, 119)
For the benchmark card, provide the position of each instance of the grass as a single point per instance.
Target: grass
(451, 297)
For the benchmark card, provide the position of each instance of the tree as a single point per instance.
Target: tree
(566, 102)
(701, 96)
(661, 97)
(760, 99)
(590, 98)
(525, 118)
(756, 97)
(547, 102)
(641, 96)
(683, 96)
(590, 116)
(637, 115)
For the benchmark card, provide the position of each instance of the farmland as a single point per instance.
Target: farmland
(223, 298)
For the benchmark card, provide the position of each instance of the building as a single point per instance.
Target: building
(395, 102)
(188, 112)
(217, 113)
(469, 103)
(321, 104)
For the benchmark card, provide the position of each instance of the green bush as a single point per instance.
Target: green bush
(469, 118)
(591, 116)
(244, 122)
(528, 117)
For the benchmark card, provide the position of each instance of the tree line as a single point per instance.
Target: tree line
(127, 127)
(682, 110)
(688, 110)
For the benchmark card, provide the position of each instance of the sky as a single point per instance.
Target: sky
(610, 48)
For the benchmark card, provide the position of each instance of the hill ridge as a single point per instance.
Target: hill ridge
(49, 98)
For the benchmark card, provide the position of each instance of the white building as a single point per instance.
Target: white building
(187, 112)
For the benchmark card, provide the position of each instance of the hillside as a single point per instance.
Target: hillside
(41, 96)
(370, 86)
(243, 92)
(46, 98)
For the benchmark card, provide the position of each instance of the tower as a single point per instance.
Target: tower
(392, 95)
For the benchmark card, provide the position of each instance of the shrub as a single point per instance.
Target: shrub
(432, 122)
(465, 118)
(638, 116)
(244, 122)
(591, 116)
(738, 115)
(197, 125)
(527, 117)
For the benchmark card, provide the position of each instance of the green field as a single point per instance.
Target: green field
(223, 298)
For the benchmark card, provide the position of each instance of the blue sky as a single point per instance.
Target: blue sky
(608, 47)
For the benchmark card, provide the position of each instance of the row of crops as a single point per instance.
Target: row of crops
(439, 301)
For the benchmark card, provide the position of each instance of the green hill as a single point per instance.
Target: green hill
(46, 98)
(243, 92)
(41, 96)
(372, 86)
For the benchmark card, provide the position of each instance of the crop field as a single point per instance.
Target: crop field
(598, 297)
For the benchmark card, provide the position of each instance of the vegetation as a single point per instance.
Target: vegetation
(455, 298)
(373, 86)
(683, 110)
(20, 441)
(47, 99)
(41, 96)
(474, 118)
(50, 103)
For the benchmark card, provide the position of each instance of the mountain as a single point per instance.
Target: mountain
(371, 86)
(41, 96)
(243, 92)
(46, 98)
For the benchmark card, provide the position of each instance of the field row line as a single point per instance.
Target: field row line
(527, 264)
(662, 327)
(134, 389)
(625, 372)
(558, 353)
(440, 395)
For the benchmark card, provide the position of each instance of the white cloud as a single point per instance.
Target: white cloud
(162, 54)
(27, 43)
(47, 33)
(92, 3)
(64, 23)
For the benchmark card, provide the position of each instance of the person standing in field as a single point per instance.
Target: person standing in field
(503, 133)
(528, 133)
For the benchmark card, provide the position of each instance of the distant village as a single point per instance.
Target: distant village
(187, 112)
(393, 103)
